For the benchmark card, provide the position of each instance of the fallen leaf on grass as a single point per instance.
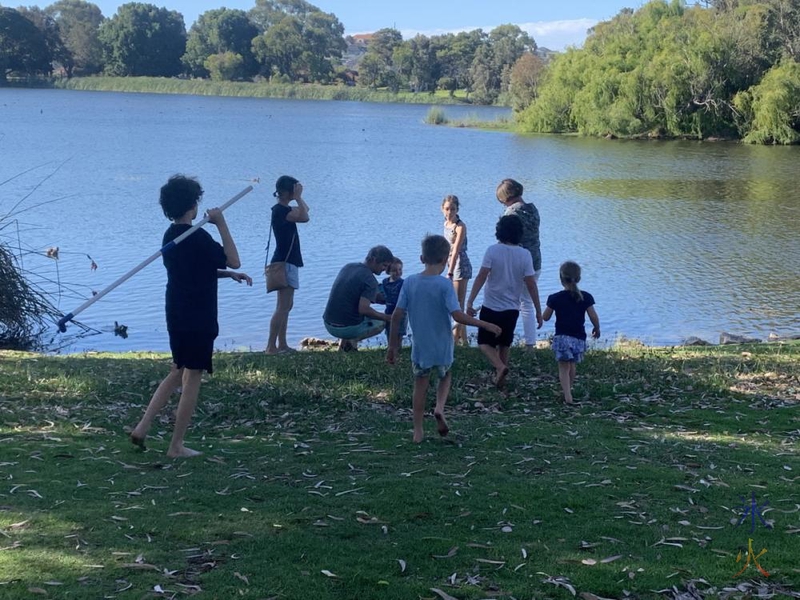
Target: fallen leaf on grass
(141, 566)
(35, 590)
(241, 577)
(450, 553)
(329, 574)
(609, 559)
(402, 565)
(443, 595)
(590, 596)
(560, 582)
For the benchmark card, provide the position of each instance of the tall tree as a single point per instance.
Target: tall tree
(526, 74)
(508, 42)
(455, 54)
(380, 58)
(142, 39)
(79, 22)
(23, 48)
(220, 31)
(50, 32)
(320, 43)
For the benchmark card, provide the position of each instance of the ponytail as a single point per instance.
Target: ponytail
(570, 273)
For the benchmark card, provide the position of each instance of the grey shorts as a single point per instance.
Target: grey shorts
(568, 348)
(463, 268)
(440, 370)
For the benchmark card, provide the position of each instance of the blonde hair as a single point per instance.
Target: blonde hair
(509, 188)
(452, 199)
(570, 274)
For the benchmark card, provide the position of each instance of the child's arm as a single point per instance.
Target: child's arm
(461, 232)
(215, 217)
(394, 341)
(237, 277)
(299, 213)
(476, 288)
(533, 290)
(595, 321)
(463, 318)
(548, 312)
(365, 308)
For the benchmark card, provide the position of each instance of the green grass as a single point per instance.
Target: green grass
(204, 87)
(308, 467)
(437, 116)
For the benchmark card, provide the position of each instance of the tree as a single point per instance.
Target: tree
(221, 31)
(508, 43)
(526, 74)
(455, 54)
(225, 66)
(78, 22)
(314, 53)
(380, 58)
(280, 48)
(142, 39)
(23, 48)
(771, 110)
(50, 32)
(484, 77)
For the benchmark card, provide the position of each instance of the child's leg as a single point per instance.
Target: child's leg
(564, 370)
(157, 403)
(280, 320)
(501, 370)
(573, 367)
(191, 389)
(460, 331)
(420, 391)
(442, 392)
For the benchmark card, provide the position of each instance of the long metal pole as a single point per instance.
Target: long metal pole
(62, 322)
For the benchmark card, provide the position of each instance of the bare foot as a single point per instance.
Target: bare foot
(418, 436)
(271, 351)
(348, 346)
(182, 452)
(441, 424)
(286, 350)
(138, 441)
(500, 379)
(568, 401)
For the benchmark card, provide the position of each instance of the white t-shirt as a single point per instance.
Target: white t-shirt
(505, 285)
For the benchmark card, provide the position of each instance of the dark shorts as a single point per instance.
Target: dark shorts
(505, 319)
(192, 350)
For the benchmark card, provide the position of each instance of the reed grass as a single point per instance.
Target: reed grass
(202, 87)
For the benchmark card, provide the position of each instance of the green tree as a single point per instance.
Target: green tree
(508, 43)
(314, 54)
(379, 59)
(78, 22)
(279, 50)
(770, 111)
(47, 25)
(225, 66)
(484, 77)
(218, 32)
(142, 39)
(23, 47)
(455, 54)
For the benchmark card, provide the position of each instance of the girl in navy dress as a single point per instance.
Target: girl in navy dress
(571, 306)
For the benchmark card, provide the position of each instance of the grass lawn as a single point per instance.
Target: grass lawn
(311, 488)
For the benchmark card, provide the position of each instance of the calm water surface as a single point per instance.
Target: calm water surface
(676, 239)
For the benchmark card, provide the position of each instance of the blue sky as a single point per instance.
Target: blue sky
(552, 24)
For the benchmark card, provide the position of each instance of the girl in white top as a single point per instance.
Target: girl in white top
(507, 270)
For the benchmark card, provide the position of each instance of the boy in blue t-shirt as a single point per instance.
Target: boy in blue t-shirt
(390, 289)
(430, 300)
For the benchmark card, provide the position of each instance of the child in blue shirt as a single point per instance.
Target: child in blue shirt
(430, 300)
(390, 289)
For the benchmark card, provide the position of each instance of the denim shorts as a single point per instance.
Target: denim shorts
(293, 276)
(568, 348)
(354, 332)
(440, 370)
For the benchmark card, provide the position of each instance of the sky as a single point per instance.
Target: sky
(553, 25)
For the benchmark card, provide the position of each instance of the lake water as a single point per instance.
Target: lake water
(676, 239)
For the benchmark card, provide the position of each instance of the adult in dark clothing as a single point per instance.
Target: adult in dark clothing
(287, 249)
(193, 268)
(349, 315)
